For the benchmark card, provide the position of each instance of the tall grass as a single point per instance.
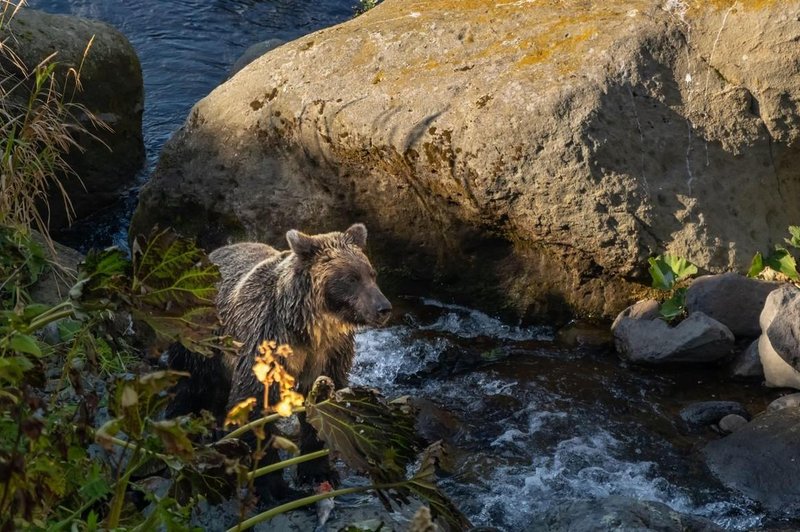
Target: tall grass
(39, 125)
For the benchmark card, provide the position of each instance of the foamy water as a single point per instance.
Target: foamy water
(540, 447)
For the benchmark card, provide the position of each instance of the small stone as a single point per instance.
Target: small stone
(731, 423)
(787, 401)
(706, 413)
(778, 371)
(747, 364)
(77, 363)
(646, 309)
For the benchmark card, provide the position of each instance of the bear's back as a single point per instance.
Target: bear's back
(236, 260)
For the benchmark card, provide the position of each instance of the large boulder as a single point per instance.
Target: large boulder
(731, 299)
(618, 513)
(518, 156)
(698, 338)
(780, 368)
(762, 460)
(111, 78)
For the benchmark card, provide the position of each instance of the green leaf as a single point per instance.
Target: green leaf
(12, 369)
(756, 265)
(23, 343)
(369, 434)
(794, 230)
(174, 290)
(666, 270)
(660, 272)
(674, 306)
(782, 261)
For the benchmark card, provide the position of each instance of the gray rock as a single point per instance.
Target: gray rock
(784, 332)
(707, 413)
(526, 166)
(618, 513)
(111, 78)
(732, 299)
(778, 372)
(731, 423)
(747, 364)
(787, 401)
(254, 52)
(646, 309)
(53, 286)
(762, 460)
(698, 338)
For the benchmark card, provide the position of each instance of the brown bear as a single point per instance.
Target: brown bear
(312, 297)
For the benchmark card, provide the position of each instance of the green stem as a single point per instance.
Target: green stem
(130, 445)
(62, 310)
(305, 501)
(287, 463)
(257, 423)
(118, 501)
(64, 522)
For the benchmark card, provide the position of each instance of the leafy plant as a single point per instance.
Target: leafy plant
(366, 5)
(39, 125)
(666, 272)
(780, 260)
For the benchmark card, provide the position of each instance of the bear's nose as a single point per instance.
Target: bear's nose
(384, 310)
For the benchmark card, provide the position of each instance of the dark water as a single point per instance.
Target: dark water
(527, 431)
(186, 48)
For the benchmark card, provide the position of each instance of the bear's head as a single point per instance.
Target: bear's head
(341, 275)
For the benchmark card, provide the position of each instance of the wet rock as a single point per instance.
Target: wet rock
(747, 364)
(584, 333)
(734, 300)
(707, 413)
(646, 309)
(477, 191)
(618, 513)
(254, 52)
(762, 460)
(778, 372)
(111, 78)
(731, 423)
(787, 401)
(433, 422)
(698, 338)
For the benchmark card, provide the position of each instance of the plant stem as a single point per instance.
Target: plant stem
(62, 310)
(118, 501)
(287, 463)
(293, 505)
(257, 423)
(130, 445)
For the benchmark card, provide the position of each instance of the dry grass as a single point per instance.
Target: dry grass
(39, 126)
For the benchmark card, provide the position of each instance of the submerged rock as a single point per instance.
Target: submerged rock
(111, 78)
(747, 364)
(524, 157)
(698, 338)
(618, 513)
(707, 413)
(732, 299)
(778, 371)
(762, 460)
(254, 52)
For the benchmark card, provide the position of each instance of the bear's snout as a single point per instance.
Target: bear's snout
(383, 309)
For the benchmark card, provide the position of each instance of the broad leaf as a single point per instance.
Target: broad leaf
(666, 270)
(674, 306)
(794, 230)
(369, 434)
(102, 279)
(22, 343)
(423, 486)
(173, 291)
(782, 261)
(756, 265)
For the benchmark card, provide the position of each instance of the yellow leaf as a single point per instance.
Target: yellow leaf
(240, 413)
(129, 397)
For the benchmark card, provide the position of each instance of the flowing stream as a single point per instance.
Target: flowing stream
(530, 422)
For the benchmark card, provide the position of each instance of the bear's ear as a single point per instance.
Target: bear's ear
(302, 244)
(358, 234)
